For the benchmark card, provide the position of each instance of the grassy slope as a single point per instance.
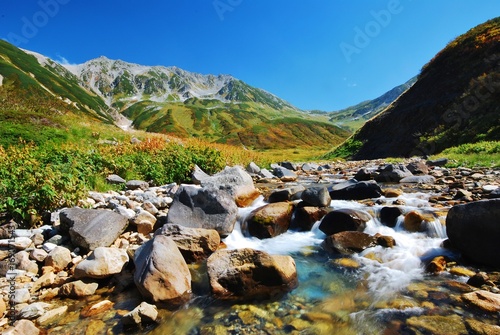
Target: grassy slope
(248, 124)
(26, 73)
(456, 100)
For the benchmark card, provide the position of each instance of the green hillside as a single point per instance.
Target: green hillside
(248, 124)
(456, 100)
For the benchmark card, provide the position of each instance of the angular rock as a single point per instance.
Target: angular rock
(253, 168)
(484, 300)
(480, 328)
(392, 173)
(38, 255)
(58, 258)
(195, 244)
(270, 220)
(115, 179)
(308, 167)
(384, 241)
(52, 315)
(19, 243)
(97, 308)
(285, 174)
(285, 194)
(413, 222)
(289, 165)
(21, 296)
(22, 327)
(265, 173)
(304, 217)
(237, 182)
(438, 264)
(77, 289)
(137, 184)
(144, 221)
(389, 216)
(144, 313)
(197, 207)
(102, 262)
(348, 242)
(198, 175)
(92, 228)
(344, 220)
(425, 179)
(363, 175)
(34, 310)
(317, 196)
(46, 280)
(474, 230)
(354, 190)
(437, 162)
(250, 274)
(23, 262)
(418, 168)
(158, 278)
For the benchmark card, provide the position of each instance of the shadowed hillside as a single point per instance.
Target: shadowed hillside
(455, 100)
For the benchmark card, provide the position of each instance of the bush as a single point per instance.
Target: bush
(35, 178)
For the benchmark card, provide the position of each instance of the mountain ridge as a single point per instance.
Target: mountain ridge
(216, 108)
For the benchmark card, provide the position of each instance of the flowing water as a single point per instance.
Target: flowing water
(389, 285)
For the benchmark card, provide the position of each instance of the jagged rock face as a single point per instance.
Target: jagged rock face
(250, 274)
(198, 207)
(473, 229)
(92, 228)
(112, 79)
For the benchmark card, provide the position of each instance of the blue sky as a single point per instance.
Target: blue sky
(321, 54)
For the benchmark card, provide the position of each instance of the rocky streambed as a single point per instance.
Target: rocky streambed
(341, 248)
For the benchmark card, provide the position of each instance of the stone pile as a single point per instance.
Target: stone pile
(122, 238)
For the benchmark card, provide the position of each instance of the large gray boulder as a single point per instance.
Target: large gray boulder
(473, 229)
(317, 196)
(354, 190)
(423, 179)
(345, 219)
(161, 273)
(92, 228)
(392, 173)
(250, 274)
(198, 207)
(103, 262)
(236, 182)
(284, 174)
(195, 244)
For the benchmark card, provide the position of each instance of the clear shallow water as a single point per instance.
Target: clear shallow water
(389, 286)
